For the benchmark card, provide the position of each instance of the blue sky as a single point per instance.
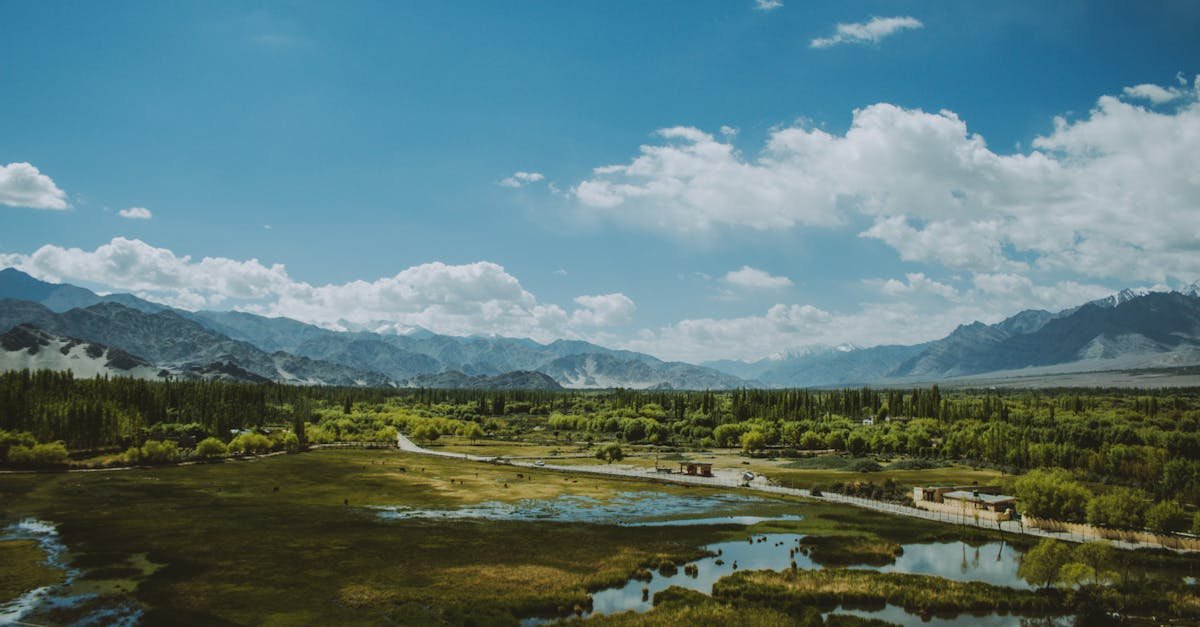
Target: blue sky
(303, 147)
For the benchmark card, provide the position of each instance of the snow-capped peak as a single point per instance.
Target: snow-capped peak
(1121, 297)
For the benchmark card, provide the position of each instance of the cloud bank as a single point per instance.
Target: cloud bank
(465, 299)
(1113, 194)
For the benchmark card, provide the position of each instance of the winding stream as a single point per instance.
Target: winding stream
(61, 596)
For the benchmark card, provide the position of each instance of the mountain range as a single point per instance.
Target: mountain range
(61, 326)
(1133, 329)
(224, 344)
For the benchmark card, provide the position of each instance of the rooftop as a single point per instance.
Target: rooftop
(979, 497)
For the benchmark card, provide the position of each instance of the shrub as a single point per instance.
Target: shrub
(866, 465)
(252, 443)
(38, 455)
(210, 448)
(918, 463)
(9, 439)
(153, 452)
(290, 442)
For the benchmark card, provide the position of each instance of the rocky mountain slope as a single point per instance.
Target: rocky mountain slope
(26, 347)
(171, 342)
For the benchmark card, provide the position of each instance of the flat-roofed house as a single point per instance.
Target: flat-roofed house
(973, 502)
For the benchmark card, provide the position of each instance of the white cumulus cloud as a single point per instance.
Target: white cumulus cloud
(767, 5)
(870, 32)
(464, 299)
(22, 185)
(521, 179)
(1154, 93)
(136, 213)
(755, 279)
(1113, 193)
(603, 310)
(915, 283)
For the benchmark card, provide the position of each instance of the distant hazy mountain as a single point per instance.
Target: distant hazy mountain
(1128, 330)
(823, 366)
(405, 357)
(62, 297)
(234, 345)
(516, 380)
(599, 370)
(969, 347)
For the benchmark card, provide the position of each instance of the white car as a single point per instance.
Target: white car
(539, 463)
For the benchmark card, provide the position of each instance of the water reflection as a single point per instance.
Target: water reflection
(771, 551)
(897, 614)
(630, 508)
(994, 563)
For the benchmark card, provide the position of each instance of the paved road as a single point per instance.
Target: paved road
(896, 509)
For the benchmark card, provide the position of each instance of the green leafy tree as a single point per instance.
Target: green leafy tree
(1120, 508)
(1051, 494)
(811, 441)
(1166, 517)
(753, 441)
(472, 431)
(426, 432)
(856, 444)
(1091, 562)
(791, 433)
(610, 452)
(727, 435)
(1040, 565)
(302, 413)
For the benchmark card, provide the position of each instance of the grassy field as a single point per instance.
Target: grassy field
(294, 539)
(918, 594)
(288, 539)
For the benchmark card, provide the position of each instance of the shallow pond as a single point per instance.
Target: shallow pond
(994, 563)
(897, 614)
(625, 508)
(85, 608)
